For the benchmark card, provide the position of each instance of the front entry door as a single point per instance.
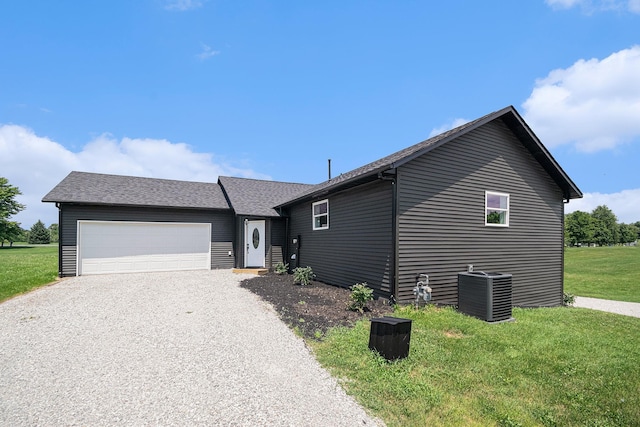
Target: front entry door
(254, 240)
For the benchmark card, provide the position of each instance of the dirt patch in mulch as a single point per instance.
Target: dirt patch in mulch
(314, 308)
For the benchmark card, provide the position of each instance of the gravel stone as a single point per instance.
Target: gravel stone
(178, 348)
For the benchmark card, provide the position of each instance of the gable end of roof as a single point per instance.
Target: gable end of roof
(508, 114)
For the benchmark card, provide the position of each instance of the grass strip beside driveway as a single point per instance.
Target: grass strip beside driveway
(23, 268)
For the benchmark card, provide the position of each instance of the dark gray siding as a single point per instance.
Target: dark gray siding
(357, 247)
(441, 218)
(239, 237)
(221, 228)
(267, 243)
(278, 242)
(67, 264)
(222, 255)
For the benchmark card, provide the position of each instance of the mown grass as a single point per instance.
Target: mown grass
(23, 268)
(552, 366)
(604, 272)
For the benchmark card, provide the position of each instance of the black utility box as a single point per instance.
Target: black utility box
(390, 337)
(486, 296)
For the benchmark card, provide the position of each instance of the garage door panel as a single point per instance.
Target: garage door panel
(118, 247)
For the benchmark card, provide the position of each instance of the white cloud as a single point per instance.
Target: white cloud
(625, 204)
(634, 6)
(563, 4)
(448, 126)
(591, 6)
(207, 52)
(594, 104)
(35, 164)
(182, 5)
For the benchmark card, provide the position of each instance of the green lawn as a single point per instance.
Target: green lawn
(23, 268)
(608, 272)
(551, 367)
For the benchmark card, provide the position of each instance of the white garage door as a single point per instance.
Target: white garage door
(119, 247)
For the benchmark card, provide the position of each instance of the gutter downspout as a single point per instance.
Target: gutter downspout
(565, 201)
(393, 285)
(59, 206)
(285, 249)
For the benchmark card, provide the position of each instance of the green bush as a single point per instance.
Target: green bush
(303, 275)
(281, 268)
(361, 294)
(568, 299)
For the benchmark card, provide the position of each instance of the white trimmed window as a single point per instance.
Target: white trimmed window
(320, 212)
(496, 209)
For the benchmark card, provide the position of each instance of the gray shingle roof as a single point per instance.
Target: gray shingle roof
(257, 197)
(512, 119)
(101, 189)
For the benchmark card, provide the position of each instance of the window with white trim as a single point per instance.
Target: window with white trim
(320, 212)
(496, 209)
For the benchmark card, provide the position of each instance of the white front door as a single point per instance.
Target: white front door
(254, 240)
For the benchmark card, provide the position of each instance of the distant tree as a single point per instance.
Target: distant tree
(8, 204)
(53, 232)
(10, 231)
(606, 230)
(602, 236)
(628, 233)
(579, 228)
(637, 225)
(39, 234)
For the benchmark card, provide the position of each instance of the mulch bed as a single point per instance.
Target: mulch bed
(314, 308)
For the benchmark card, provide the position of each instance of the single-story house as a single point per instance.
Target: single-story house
(487, 193)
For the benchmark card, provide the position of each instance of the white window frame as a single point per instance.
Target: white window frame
(314, 216)
(505, 210)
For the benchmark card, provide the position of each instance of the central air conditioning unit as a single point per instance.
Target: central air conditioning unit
(486, 296)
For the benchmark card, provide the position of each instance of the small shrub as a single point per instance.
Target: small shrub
(281, 268)
(568, 299)
(361, 294)
(303, 275)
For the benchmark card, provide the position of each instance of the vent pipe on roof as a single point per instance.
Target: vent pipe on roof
(329, 161)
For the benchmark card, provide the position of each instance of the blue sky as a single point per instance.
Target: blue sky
(187, 89)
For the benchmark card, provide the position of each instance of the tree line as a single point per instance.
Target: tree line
(10, 231)
(38, 234)
(600, 227)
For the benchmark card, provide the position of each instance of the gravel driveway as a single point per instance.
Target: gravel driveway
(180, 348)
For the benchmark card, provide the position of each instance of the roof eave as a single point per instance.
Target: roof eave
(132, 205)
(356, 180)
(400, 162)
